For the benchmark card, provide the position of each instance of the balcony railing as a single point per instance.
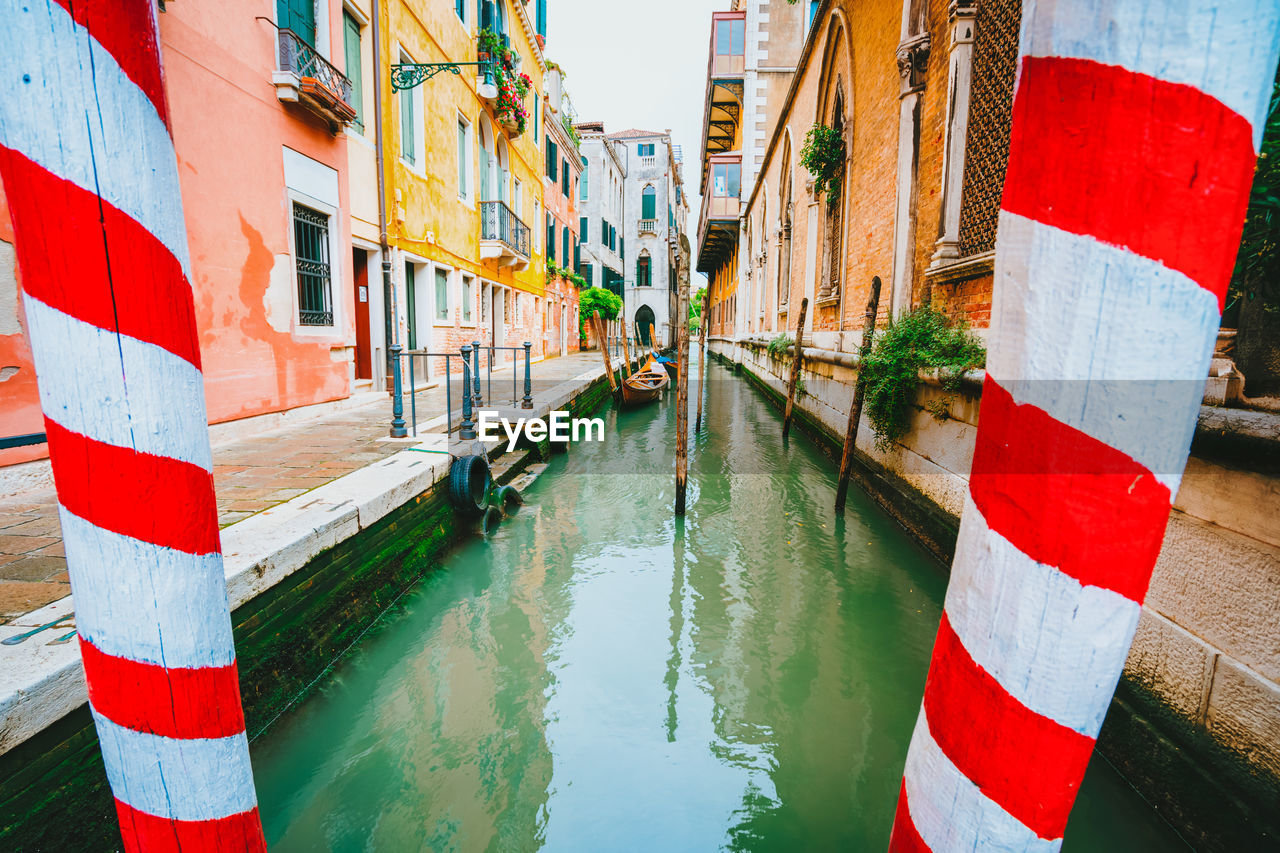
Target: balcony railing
(648, 226)
(507, 236)
(308, 78)
(648, 162)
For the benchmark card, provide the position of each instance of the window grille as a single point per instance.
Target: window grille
(311, 246)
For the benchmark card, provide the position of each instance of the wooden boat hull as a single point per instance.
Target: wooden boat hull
(645, 386)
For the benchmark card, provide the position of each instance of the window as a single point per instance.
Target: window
(460, 6)
(468, 300)
(726, 180)
(411, 302)
(645, 150)
(643, 273)
(442, 296)
(588, 272)
(351, 53)
(537, 115)
(577, 253)
(464, 159)
(622, 248)
(604, 233)
(564, 245)
(813, 10)
(408, 122)
(582, 227)
(311, 248)
(613, 238)
(553, 159)
(649, 203)
(731, 40)
(564, 177)
(298, 16)
(551, 238)
(583, 190)
(517, 204)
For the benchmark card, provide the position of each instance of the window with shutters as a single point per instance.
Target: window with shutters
(443, 315)
(468, 300)
(551, 238)
(564, 177)
(351, 56)
(460, 7)
(299, 16)
(311, 250)
(604, 233)
(553, 159)
(464, 159)
(644, 277)
(582, 227)
(649, 203)
(583, 188)
(409, 137)
(564, 245)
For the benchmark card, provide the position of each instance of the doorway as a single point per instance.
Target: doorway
(364, 349)
(643, 321)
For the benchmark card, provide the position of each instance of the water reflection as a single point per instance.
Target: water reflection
(600, 676)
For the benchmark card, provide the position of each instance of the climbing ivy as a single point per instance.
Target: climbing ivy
(823, 156)
(922, 340)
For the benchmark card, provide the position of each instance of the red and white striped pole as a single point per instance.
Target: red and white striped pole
(1135, 132)
(91, 179)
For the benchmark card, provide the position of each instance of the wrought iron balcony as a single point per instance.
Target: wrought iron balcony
(503, 237)
(307, 78)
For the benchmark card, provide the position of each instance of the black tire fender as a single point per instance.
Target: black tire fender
(469, 484)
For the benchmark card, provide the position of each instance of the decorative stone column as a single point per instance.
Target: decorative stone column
(962, 15)
(913, 62)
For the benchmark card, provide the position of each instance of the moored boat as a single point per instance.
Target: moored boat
(645, 385)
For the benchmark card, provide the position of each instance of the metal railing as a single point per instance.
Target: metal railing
(471, 398)
(499, 222)
(302, 59)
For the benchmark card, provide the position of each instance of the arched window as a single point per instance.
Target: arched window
(835, 208)
(644, 271)
(649, 203)
(584, 189)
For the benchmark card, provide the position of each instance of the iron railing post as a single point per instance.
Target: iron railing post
(448, 399)
(468, 429)
(478, 402)
(413, 398)
(397, 401)
(528, 377)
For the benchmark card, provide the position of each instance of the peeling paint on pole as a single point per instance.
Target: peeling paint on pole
(91, 177)
(1135, 133)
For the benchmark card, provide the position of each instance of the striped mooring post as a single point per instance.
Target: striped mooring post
(91, 179)
(1135, 132)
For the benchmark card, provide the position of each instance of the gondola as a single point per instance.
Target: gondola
(669, 364)
(645, 385)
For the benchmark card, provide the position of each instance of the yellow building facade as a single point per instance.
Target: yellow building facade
(464, 189)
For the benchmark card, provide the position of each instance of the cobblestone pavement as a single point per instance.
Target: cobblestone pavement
(250, 475)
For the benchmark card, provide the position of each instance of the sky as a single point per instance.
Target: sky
(639, 65)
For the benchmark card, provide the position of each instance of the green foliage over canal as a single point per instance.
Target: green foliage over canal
(600, 676)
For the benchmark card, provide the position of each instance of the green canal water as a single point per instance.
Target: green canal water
(598, 676)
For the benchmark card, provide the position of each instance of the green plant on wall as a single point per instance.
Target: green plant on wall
(554, 270)
(823, 156)
(595, 299)
(922, 340)
(777, 348)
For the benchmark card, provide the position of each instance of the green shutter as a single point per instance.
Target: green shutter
(299, 16)
(649, 204)
(407, 144)
(564, 244)
(410, 299)
(351, 45)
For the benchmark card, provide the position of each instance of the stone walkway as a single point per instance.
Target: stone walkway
(250, 475)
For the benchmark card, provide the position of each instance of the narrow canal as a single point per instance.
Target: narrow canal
(599, 676)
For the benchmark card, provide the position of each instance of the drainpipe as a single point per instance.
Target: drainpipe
(392, 328)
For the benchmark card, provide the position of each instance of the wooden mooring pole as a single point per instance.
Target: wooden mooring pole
(859, 392)
(604, 350)
(1073, 477)
(106, 284)
(795, 369)
(682, 385)
(626, 352)
(702, 357)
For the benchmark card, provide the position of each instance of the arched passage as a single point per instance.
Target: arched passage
(644, 319)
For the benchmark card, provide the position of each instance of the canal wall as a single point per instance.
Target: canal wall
(1195, 724)
(305, 580)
